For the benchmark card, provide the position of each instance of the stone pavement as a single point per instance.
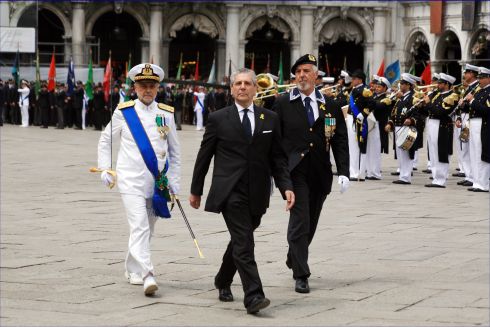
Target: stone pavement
(383, 254)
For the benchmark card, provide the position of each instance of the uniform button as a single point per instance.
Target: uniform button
(311, 145)
(302, 154)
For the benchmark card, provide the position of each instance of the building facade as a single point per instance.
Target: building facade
(354, 34)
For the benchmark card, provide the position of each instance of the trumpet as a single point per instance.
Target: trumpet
(418, 88)
(323, 89)
(273, 92)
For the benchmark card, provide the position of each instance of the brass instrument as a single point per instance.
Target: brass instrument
(265, 86)
(325, 88)
(263, 95)
(418, 88)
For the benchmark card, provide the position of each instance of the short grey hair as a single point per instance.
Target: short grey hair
(243, 71)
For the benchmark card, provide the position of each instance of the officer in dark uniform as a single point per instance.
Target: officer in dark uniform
(45, 103)
(60, 104)
(382, 110)
(401, 116)
(304, 114)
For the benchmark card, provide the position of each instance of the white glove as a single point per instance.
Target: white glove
(344, 183)
(107, 179)
(360, 117)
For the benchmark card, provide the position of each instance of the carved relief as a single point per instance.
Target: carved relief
(201, 23)
(368, 15)
(341, 29)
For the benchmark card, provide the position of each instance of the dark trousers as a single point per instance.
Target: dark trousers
(61, 121)
(303, 218)
(239, 254)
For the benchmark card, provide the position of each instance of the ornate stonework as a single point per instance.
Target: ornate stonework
(201, 23)
(341, 29)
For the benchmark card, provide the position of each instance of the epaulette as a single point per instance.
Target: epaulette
(124, 105)
(166, 107)
(367, 93)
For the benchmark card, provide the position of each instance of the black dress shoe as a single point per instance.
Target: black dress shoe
(427, 171)
(479, 190)
(396, 173)
(459, 175)
(225, 294)
(401, 182)
(258, 304)
(414, 168)
(302, 285)
(467, 183)
(435, 185)
(471, 189)
(461, 182)
(373, 178)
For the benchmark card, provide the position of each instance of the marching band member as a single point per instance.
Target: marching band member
(24, 102)
(375, 142)
(400, 116)
(462, 122)
(479, 133)
(148, 167)
(440, 129)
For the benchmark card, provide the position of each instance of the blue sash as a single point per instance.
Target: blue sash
(200, 104)
(160, 196)
(355, 112)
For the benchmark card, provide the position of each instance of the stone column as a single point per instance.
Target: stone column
(232, 36)
(379, 40)
(221, 60)
(295, 54)
(78, 34)
(241, 55)
(155, 34)
(4, 14)
(145, 49)
(306, 30)
(164, 63)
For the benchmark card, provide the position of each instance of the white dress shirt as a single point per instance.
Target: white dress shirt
(133, 177)
(250, 115)
(313, 103)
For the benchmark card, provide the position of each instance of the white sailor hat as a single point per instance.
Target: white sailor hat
(345, 75)
(321, 73)
(483, 72)
(23, 81)
(328, 80)
(146, 72)
(406, 77)
(416, 78)
(383, 81)
(375, 78)
(470, 68)
(274, 77)
(445, 78)
(435, 76)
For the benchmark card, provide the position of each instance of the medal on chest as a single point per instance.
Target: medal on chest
(330, 126)
(162, 127)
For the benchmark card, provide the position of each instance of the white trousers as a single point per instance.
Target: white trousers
(440, 170)
(24, 111)
(356, 169)
(373, 153)
(84, 113)
(141, 226)
(405, 164)
(465, 152)
(458, 149)
(480, 169)
(199, 120)
(415, 159)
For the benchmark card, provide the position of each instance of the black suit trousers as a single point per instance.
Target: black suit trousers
(303, 218)
(239, 254)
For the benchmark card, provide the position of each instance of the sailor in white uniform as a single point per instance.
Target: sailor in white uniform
(135, 181)
(24, 102)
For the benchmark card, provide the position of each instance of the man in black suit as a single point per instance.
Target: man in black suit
(246, 143)
(310, 123)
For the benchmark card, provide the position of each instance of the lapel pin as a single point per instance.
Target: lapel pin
(261, 116)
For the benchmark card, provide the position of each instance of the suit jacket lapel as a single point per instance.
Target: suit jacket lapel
(258, 122)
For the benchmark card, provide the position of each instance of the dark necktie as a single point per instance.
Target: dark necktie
(247, 127)
(309, 111)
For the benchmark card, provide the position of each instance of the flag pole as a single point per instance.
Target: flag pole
(110, 100)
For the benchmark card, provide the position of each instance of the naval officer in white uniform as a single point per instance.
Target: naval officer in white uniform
(135, 181)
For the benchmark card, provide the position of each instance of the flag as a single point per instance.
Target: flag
(268, 67)
(90, 79)
(381, 68)
(392, 72)
(37, 86)
(212, 73)
(70, 80)
(107, 79)
(128, 80)
(426, 75)
(368, 74)
(327, 66)
(412, 69)
(16, 69)
(280, 74)
(345, 63)
(252, 65)
(52, 74)
(196, 72)
(179, 70)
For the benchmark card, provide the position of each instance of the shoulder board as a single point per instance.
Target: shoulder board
(367, 93)
(124, 105)
(166, 107)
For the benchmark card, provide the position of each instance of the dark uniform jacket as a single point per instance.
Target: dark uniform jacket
(399, 113)
(441, 107)
(382, 110)
(480, 107)
(236, 158)
(363, 99)
(299, 139)
(465, 106)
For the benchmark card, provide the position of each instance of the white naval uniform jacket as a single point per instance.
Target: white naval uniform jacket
(133, 177)
(24, 96)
